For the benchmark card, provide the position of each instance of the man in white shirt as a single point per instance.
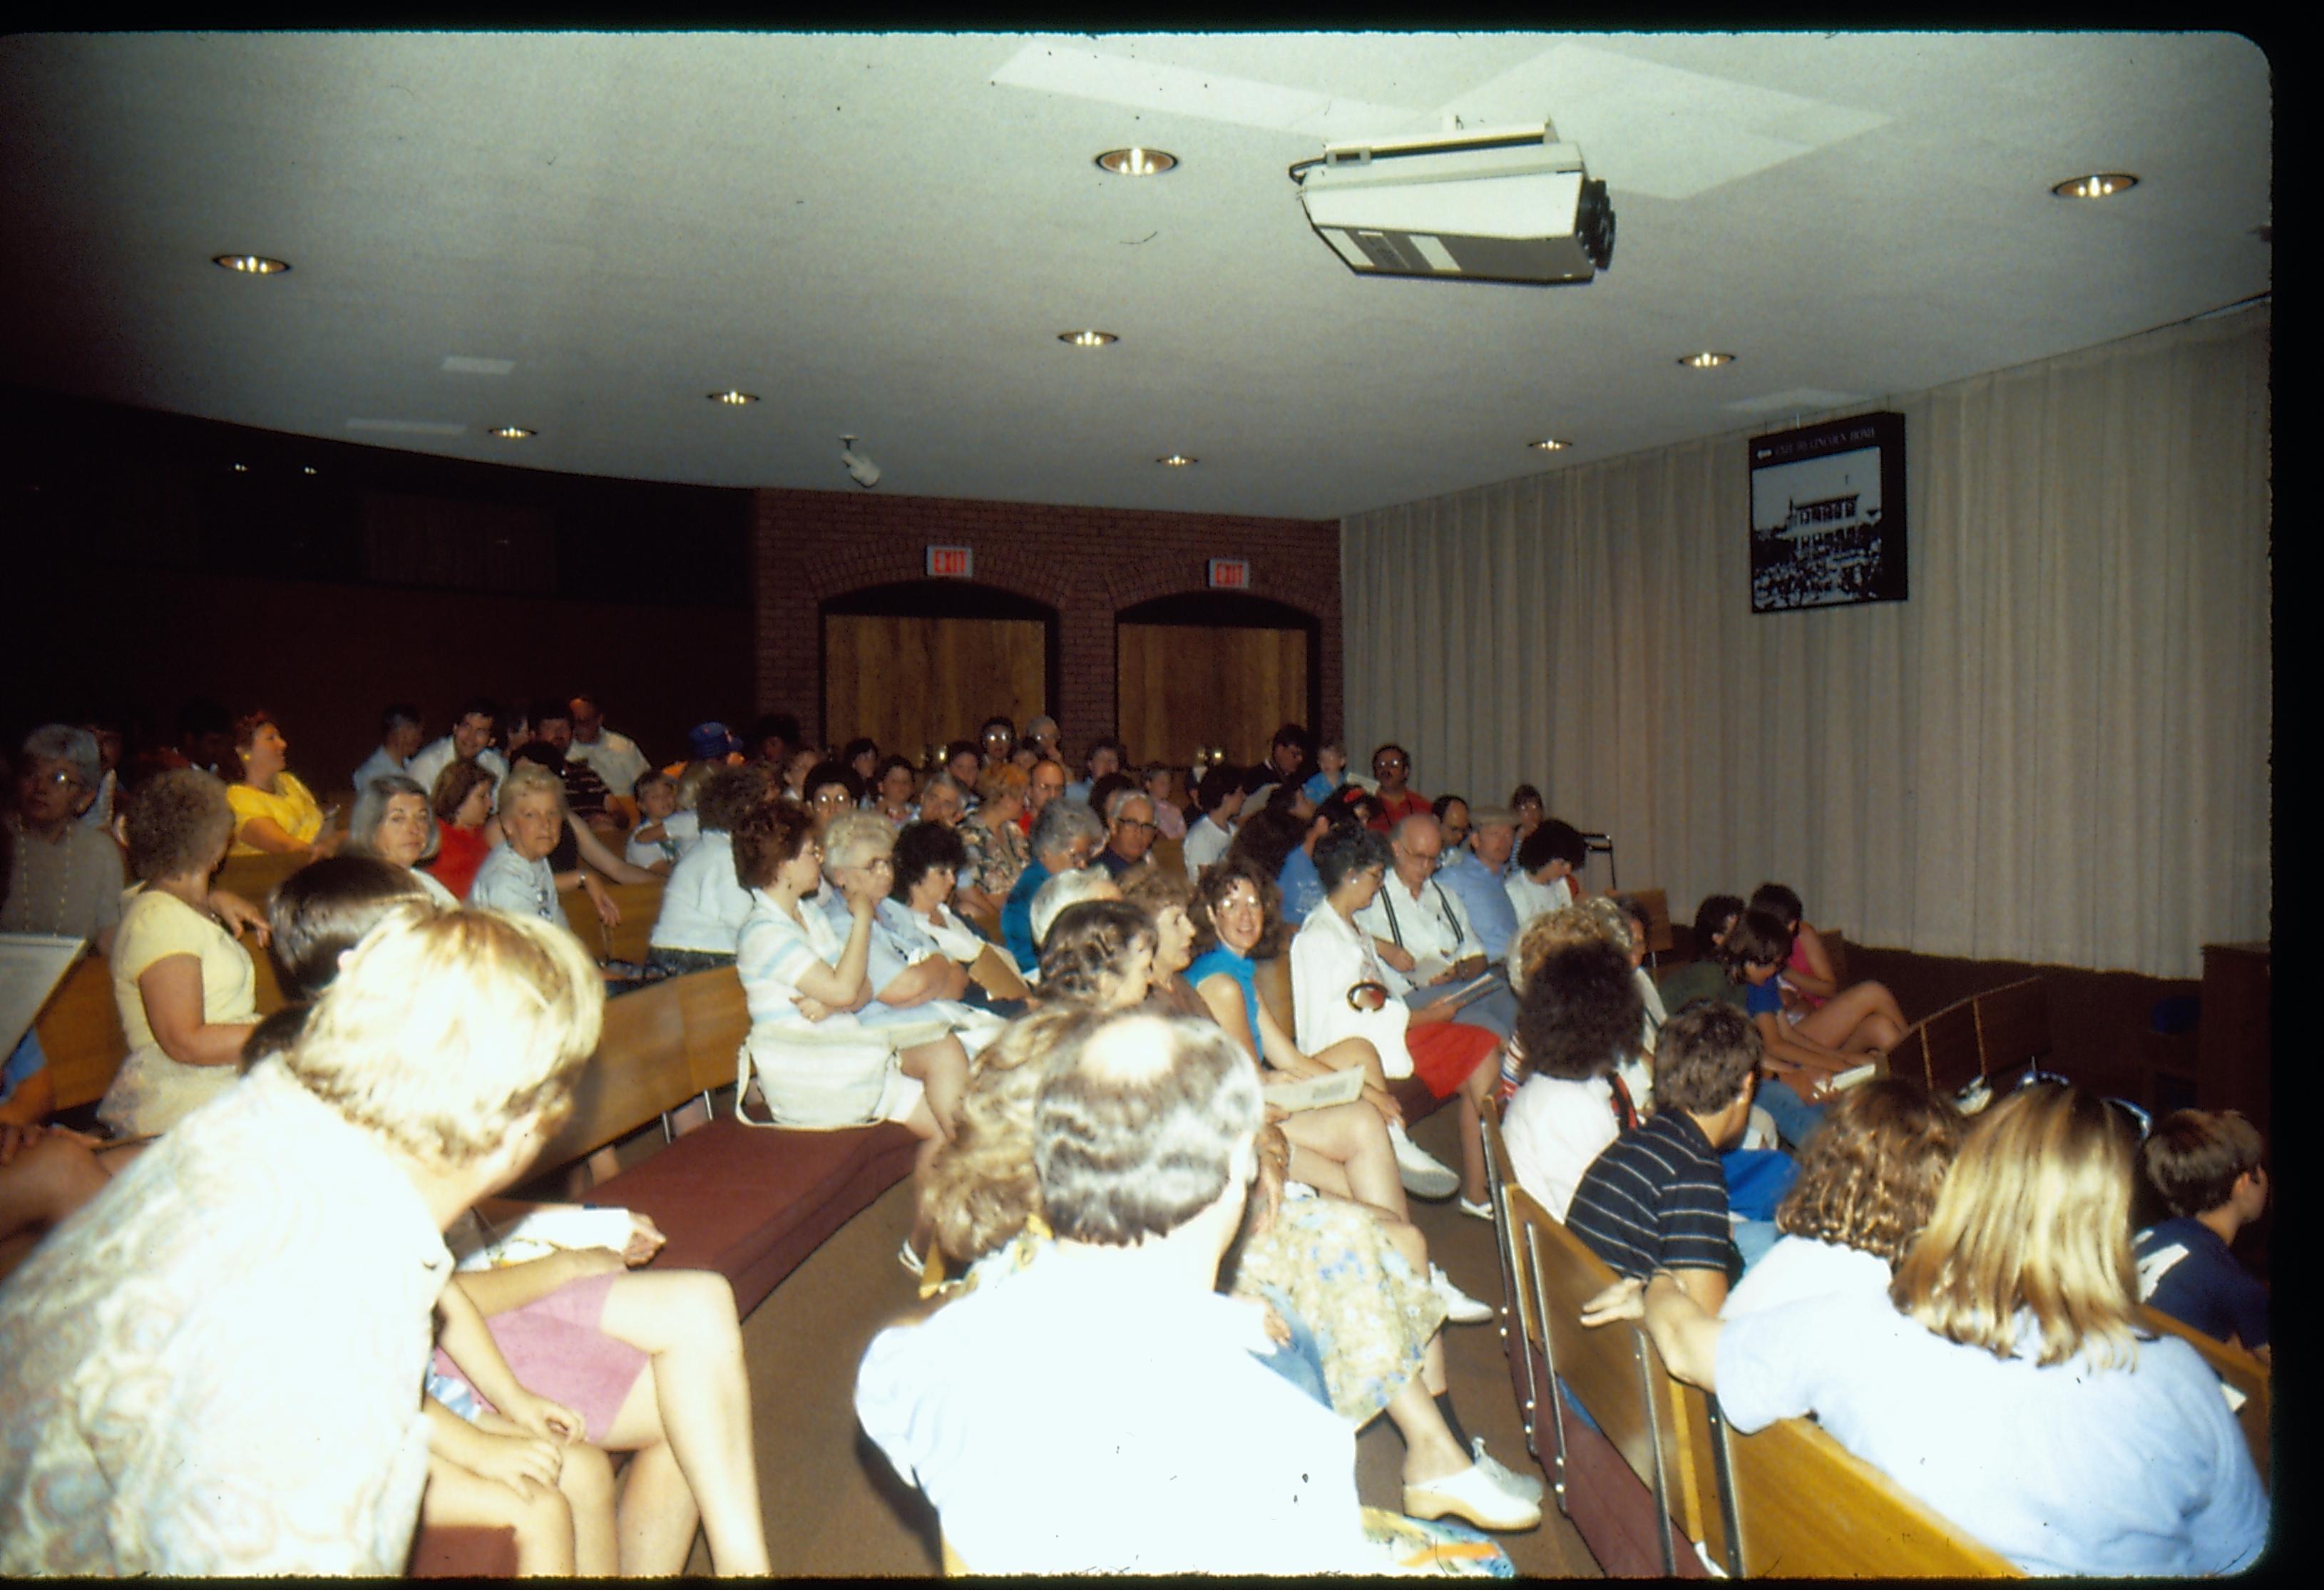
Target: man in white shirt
(614, 757)
(213, 1368)
(1220, 794)
(399, 742)
(471, 740)
(1422, 932)
(1105, 1410)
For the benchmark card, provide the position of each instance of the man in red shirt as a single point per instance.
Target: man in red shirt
(1392, 765)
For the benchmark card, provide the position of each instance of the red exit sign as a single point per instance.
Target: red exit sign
(1229, 574)
(950, 562)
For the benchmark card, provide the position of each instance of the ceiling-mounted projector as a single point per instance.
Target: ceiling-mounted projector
(1510, 205)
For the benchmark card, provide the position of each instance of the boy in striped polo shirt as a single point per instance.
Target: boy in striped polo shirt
(1655, 1199)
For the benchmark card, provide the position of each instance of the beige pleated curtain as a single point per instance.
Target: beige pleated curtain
(2055, 752)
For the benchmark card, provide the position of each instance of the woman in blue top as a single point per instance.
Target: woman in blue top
(1344, 1148)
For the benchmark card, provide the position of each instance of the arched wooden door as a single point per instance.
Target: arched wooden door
(1213, 668)
(917, 664)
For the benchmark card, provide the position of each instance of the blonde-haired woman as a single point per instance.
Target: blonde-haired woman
(2004, 1378)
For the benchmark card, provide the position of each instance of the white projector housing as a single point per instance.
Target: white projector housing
(1509, 204)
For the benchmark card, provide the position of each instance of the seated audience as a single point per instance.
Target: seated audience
(578, 844)
(1804, 1049)
(1807, 976)
(861, 757)
(963, 762)
(2207, 1166)
(1291, 758)
(1425, 938)
(517, 875)
(392, 822)
(772, 738)
(928, 859)
(1549, 862)
(186, 990)
(1471, 864)
(461, 802)
(98, 805)
(913, 983)
(1202, 1461)
(1218, 794)
(832, 790)
(652, 844)
(891, 791)
(2004, 1332)
(996, 740)
(704, 904)
(796, 767)
(1391, 767)
(1276, 845)
(1340, 990)
(1063, 892)
(1705, 977)
(66, 879)
(1130, 831)
(1104, 760)
(399, 743)
(810, 1059)
(1526, 801)
(273, 812)
(615, 758)
(1655, 1199)
(587, 796)
(709, 744)
(1234, 916)
(1578, 1014)
(1159, 781)
(471, 740)
(1638, 1063)
(1044, 781)
(943, 800)
(1331, 772)
(1067, 835)
(242, 1361)
(1041, 735)
(1867, 1183)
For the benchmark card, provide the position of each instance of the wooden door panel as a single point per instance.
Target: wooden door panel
(909, 683)
(1180, 687)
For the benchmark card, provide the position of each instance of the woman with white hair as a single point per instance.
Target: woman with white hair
(66, 878)
(392, 822)
(2003, 1377)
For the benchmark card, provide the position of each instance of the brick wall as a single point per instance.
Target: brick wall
(1088, 563)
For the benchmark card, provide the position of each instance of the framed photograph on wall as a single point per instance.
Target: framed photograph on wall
(1827, 514)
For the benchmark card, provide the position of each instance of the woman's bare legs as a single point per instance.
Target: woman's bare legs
(696, 1405)
(1476, 1089)
(1860, 1017)
(49, 1179)
(587, 1480)
(543, 1521)
(1355, 1137)
(941, 1069)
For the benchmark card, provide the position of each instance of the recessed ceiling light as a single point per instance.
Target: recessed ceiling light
(510, 432)
(251, 264)
(1138, 162)
(2097, 185)
(733, 397)
(1549, 445)
(1177, 461)
(242, 469)
(1707, 359)
(305, 469)
(1087, 339)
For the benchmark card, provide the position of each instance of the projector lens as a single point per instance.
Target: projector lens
(1593, 223)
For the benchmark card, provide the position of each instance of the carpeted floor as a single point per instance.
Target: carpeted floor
(832, 1505)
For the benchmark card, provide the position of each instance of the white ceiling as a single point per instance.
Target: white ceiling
(883, 235)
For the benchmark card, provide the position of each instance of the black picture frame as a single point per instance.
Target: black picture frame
(1828, 524)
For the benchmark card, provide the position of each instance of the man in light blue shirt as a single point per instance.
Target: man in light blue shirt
(1474, 874)
(399, 742)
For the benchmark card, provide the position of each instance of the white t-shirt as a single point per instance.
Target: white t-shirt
(1432, 927)
(703, 903)
(1801, 1267)
(614, 758)
(1081, 1416)
(1535, 899)
(1205, 844)
(1555, 1128)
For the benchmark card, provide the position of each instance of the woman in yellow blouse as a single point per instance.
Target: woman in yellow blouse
(273, 812)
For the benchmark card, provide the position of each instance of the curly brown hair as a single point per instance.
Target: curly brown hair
(980, 1188)
(1582, 1013)
(1212, 886)
(1870, 1175)
(1089, 944)
(177, 822)
(766, 838)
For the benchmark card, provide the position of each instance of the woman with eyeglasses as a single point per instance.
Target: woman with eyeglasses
(1339, 991)
(2003, 1377)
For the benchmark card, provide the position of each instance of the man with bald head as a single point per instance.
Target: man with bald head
(1423, 933)
(1109, 1376)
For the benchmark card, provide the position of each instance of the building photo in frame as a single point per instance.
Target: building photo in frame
(1827, 514)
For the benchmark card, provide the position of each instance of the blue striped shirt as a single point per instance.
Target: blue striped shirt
(1655, 1199)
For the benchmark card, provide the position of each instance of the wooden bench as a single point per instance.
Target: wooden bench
(1991, 1035)
(1664, 1485)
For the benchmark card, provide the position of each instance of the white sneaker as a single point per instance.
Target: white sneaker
(1424, 1175)
(1460, 1308)
(1525, 1487)
(1483, 1211)
(909, 1260)
(1470, 1493)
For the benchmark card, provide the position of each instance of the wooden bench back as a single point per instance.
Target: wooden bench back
(81, 1031)
(254, 878)
(1520, 1317)
(648, 1060)
(627, 940)
(1806, 1507)
(2013, 1026)
(2239, 1369)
